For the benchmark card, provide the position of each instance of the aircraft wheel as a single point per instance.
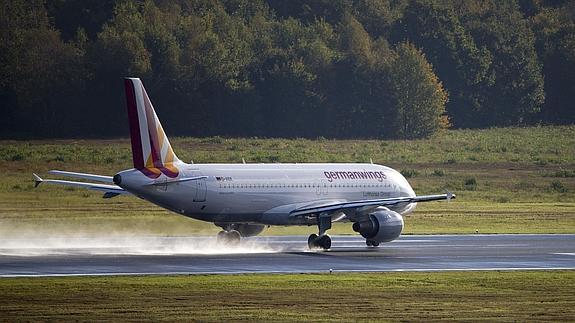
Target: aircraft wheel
(230, 238)
(234, 237)
(371, 243)
(312, 241)
(319, 242)
(324, 242)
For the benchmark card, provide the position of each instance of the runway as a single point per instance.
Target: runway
(281, 254)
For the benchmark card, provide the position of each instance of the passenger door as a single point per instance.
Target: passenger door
(200, 190)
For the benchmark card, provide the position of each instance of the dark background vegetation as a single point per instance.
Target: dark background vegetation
(277, 68)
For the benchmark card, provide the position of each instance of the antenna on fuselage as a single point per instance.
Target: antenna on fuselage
(371, 161)
(243, 161)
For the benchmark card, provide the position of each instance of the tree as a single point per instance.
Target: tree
(357, 85)
(41, 76)
(516, 94)
(459, 62)
(418, 94)
(555, 42)
(288, 83)
(301, 68)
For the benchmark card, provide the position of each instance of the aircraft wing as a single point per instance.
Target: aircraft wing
(108, 190)
(342, 206)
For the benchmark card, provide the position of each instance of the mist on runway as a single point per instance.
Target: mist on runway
(114, 244)
(155, 255)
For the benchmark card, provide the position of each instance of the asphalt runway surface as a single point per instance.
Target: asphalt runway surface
(282, 254)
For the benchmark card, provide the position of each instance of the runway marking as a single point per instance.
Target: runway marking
(565, 253)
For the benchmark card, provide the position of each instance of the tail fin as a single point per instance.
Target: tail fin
(151, 149)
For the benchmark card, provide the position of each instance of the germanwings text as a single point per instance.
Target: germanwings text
(331, 176)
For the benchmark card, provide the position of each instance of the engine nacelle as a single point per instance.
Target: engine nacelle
(383, 225)
(247, 230)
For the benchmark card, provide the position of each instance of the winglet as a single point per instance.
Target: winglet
(37, 180)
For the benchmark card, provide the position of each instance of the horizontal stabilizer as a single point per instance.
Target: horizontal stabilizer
(90, 177)
(108, 190)
(37, 180)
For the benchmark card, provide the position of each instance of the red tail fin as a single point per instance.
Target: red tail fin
(151, 150)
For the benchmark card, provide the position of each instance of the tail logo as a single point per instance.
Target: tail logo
(151, 150)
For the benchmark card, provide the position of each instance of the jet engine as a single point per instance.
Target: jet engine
(382, 225)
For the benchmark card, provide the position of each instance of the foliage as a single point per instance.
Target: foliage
(470, 184)
(337, 69)
(419, 96)
(409, 173)
(515, 92)
(557, 186)
(554, 28)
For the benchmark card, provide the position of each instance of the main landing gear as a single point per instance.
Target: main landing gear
(230, 238)
(321, 241)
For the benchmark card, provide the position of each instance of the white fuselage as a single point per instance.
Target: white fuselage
(266, 193)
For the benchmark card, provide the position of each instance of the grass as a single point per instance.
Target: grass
(553, 145)
(508, 180)
(460, 296)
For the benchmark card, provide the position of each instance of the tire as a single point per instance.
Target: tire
(371, 243)
(324, 242)
(234, 237)
(312, 241)
(221, 237)
(229, 238)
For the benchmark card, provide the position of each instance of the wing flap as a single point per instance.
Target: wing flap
(342, 206)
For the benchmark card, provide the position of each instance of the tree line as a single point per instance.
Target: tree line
(275, 68)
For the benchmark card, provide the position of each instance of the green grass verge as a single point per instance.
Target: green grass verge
(509, 180)
(469, 296)
(553, 145)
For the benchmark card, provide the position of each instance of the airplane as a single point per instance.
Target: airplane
(245, 198)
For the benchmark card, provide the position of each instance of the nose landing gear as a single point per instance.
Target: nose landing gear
(229, 238)
(371, 243)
